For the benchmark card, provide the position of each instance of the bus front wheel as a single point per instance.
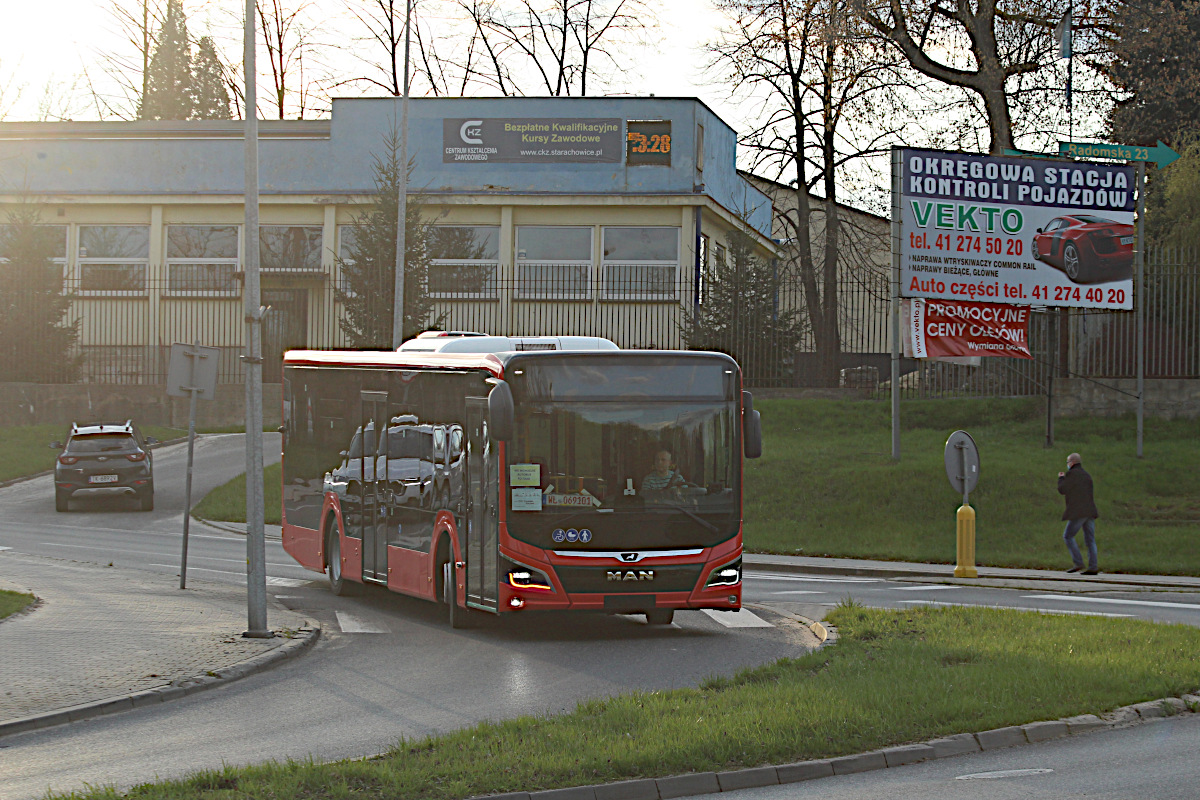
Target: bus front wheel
(660, 616)
(333, 557)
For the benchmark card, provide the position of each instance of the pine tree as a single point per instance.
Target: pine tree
(169, 89)
(741, 316)
(208, 84)
(35, 341)
(369, 265)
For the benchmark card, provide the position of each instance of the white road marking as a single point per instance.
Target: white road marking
(352, 624)
(766, 577)
(1014, 608)
(291, 582)
(5, 548)
(1113, 601)
(191, 556)
(1004, 773)
(924, 588)
(798, 591)
(737, 619)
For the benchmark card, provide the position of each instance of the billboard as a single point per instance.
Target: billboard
(532, 140)
(1019, 231)
(949, 329)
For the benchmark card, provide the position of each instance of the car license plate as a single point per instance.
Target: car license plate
(1126, 240)
(102, 479)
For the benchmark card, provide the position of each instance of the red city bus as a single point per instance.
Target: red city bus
(502, 474)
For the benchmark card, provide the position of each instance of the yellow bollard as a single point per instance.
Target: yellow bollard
(966, 543)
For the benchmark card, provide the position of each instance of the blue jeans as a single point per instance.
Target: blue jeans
(1089, 538)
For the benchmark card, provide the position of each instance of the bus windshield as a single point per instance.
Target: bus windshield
(605, 473)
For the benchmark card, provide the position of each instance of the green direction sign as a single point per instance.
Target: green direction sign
(1030, 154)
(1160, 154)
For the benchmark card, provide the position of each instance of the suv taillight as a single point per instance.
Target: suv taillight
(136, 456)
(68, 460)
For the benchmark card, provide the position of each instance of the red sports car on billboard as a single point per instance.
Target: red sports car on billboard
(1089, 249)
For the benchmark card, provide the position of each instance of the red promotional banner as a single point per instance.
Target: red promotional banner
(947, 328)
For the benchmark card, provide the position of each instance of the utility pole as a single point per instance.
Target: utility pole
(402, 204)
(256, 551)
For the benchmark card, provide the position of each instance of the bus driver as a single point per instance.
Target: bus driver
(663, 477)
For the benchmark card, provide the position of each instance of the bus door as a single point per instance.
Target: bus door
(482, 516)
(374, 517)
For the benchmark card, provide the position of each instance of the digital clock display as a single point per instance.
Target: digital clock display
(648, 142)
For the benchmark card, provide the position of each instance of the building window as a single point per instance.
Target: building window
(202, 259)
(51, 238)
(290, 248)
(554, 262)
(464, 260)
(641, 263)
(113, 258)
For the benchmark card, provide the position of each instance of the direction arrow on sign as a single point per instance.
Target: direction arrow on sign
(1160, 154)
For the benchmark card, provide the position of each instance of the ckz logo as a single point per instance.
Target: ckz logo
(471, 130)
(631, 575)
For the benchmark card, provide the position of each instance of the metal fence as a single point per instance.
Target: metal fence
(125, 336)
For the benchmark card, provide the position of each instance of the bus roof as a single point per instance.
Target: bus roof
(390, 359)
(471, 342)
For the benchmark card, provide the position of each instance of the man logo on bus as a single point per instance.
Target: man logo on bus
(630, 557)
(631, 575)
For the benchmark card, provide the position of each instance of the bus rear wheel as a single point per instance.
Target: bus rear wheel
(660, 616)
(457, 614)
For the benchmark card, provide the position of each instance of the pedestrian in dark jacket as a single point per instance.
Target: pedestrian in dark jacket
(1080, 514)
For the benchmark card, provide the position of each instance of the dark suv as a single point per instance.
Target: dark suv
(104, 458)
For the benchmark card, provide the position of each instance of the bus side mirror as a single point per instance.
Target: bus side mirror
(500, 412)
(751, 428)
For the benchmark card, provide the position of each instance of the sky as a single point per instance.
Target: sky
(48, 42)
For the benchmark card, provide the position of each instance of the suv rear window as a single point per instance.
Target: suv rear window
(102, 443)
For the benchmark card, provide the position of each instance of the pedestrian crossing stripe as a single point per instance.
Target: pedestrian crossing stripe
(349, 623)
(737, 619)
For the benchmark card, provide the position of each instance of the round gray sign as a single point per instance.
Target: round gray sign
(962, 462)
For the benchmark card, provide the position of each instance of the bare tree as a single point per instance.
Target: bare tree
(293, 52)
(828, 91)
(10, 91)
(994, 50)
(557, 47)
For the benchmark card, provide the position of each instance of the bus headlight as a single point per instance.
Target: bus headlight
(728, 575)
(522, 577)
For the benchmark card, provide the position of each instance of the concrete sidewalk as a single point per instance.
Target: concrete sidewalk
(106, 639)
(988, 576)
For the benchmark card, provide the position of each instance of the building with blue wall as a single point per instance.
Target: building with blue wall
(580, 216)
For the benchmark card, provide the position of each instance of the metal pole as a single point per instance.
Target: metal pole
(897, 169)
(1139, 297)
(402, 198)
(187, 492)
(256, 556)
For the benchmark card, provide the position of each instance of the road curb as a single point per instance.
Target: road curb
(697, 783)
(298, 641)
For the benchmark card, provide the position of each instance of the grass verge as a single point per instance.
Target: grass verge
(894, 677)
(12, 602)
(25, 450)
(227, 503)
(826, 485)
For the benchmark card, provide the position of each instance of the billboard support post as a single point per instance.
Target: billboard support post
(1140, 301)
(897, 163)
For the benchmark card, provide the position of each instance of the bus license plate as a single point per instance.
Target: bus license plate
(1126, 240)
(102, 479)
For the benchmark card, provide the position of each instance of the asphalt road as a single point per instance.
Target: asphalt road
(389, 666)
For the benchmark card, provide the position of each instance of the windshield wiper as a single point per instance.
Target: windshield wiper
(693, 515)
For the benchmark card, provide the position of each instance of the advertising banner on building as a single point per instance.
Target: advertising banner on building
(949, 329)
(1020, 231)
(532, 140)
